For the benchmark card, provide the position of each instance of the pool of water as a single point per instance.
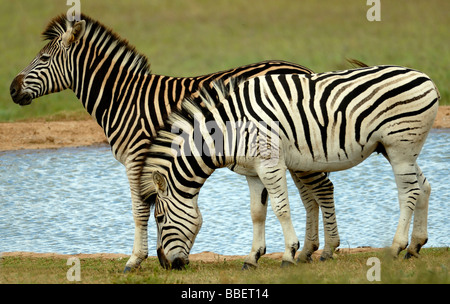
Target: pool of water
(77, 200)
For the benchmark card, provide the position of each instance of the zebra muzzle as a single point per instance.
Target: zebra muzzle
(178, 263)
(17, 95)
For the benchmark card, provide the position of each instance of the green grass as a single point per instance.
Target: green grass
(431, 268)
(188, 38)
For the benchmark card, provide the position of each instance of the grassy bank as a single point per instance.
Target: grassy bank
(432, 267)
(186, 38)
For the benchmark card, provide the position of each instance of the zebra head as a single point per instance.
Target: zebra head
(178, 222)
(51, 70)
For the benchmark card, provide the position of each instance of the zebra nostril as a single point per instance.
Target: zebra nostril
(14, 89)
(179, 263)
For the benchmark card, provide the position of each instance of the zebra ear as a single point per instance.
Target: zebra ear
(74, 33)
(78, 29)
(160, 182)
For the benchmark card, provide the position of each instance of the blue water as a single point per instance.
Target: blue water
(77, 200)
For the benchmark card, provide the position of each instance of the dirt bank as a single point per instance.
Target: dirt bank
(57, 134)
(206, 256)
(49, 135)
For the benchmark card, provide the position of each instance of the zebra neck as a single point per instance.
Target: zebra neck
(214, 140)
(112, 96)
(224, 138)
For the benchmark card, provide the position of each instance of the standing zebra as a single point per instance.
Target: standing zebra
(115, 85)
(304, 123)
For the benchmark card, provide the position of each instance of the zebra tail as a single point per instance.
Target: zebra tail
(356, 63)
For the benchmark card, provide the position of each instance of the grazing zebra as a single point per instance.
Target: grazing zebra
(304, 123)
(115, 85)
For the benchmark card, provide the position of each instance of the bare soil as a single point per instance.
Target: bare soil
(57, 134)
(49, 135)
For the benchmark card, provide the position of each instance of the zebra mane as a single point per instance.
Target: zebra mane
(59, 25)
(213, 95)
(56, 27)
(179, 121)
(160, 151)
(209, 98)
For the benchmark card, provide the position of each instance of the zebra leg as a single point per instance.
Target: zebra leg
(312, 220)
(316, 190)
(408, 194)
(140, 246)
(323, 190)
(258, 209)
(141, 214)
(419, 234)
(274, 179)
(401, 150)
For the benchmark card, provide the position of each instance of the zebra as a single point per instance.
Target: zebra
(318, 123)
(115, 85)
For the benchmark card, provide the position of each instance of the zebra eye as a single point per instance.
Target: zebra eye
(44, 58)
(159, 213)
(159, 218)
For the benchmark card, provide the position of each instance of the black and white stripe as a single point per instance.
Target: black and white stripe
(115, 85)
(305, 123)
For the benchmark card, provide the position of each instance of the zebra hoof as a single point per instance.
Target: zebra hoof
(305, 259)
(323, 259)
(326, 257)
(286, 264)
(127, 269)
(413, 251)
(247, 266)
(409, 255)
